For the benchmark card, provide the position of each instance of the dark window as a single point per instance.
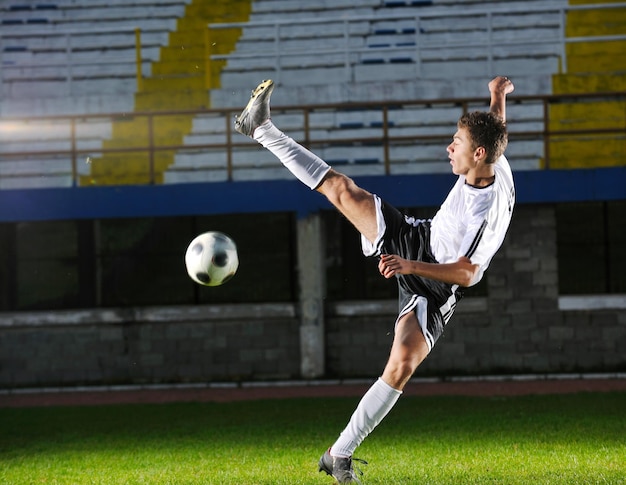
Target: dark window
(47, 270)
(266, 249)
(591, 239)
(141, 261)
(135, 262)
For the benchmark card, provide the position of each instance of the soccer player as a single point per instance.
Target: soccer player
(431, 259)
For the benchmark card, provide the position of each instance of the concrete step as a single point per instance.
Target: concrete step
(609, 21)
(587, 151)
(600, 57)
(589, 83)
(588, 115)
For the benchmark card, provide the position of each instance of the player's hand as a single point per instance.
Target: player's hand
(390, 265)
(501, 85)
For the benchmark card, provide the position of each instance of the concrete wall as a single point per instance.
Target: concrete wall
(155, 345)
(523, 325)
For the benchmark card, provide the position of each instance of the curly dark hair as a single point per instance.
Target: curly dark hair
(486, 130)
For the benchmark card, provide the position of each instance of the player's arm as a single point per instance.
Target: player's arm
(499, 87)
(462, 272)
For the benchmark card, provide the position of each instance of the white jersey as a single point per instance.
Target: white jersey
(472, 222)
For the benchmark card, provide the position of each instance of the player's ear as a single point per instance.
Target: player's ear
(480, 154)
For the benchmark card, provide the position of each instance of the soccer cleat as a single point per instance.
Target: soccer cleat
(257, 111)
(340, 468)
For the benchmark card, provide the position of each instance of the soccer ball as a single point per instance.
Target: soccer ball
(211, 259)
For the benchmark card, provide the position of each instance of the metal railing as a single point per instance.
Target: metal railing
(485, 27)
(69, 64)
(387, 134)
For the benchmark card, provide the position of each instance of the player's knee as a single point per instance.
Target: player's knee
(336, 187)
(341, 190)
(398, 372)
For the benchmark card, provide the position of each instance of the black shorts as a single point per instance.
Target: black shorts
(432, 301)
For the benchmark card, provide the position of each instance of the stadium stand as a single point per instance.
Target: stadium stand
(383, 50)
(93, 61)
(71, 57)
(68, 57)
(78, 57)
(381, 44)
(591, 68)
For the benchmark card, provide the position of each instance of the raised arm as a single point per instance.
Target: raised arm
(499, 87)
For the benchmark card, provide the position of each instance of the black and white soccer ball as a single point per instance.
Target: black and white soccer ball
(212, 259)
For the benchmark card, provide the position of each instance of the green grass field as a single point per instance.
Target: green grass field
(561, 439)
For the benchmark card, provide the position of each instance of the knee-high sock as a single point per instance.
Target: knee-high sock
(305, 165)
(374, 406)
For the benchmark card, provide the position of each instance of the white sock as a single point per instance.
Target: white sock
(374, 406)
(305, 165)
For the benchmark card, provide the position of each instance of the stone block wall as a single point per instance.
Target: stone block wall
(157, 345)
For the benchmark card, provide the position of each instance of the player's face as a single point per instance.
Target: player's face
(461, 153)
